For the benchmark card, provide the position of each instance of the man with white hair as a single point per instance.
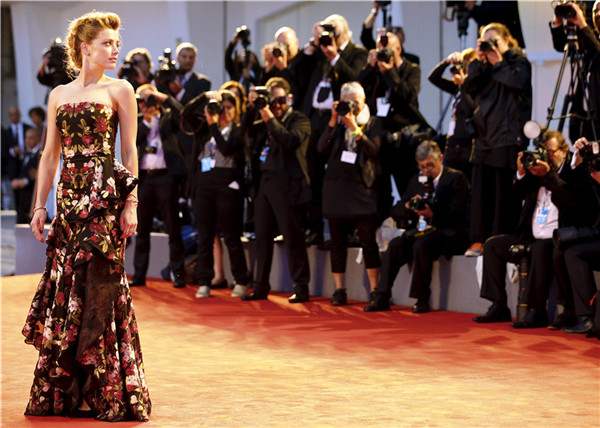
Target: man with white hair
(334, 60)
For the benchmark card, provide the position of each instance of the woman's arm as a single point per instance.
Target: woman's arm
(127, 109)
(47, 168)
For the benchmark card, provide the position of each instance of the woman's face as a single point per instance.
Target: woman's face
(103, 51)
(502, 43)
(228, 113)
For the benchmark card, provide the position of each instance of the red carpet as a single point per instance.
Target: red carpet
(223, 362)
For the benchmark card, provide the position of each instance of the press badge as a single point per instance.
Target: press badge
(207, 164)
(541, 216)
(349, 157)
(383, 107)
(264, 153)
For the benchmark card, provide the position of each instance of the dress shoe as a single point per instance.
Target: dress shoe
(178, 283)
(531, 319)
(221, 284)
(495, 314)
(259, 293)
(566, 319)
(300, 295)
(203, 292)
(379, 302)
(239, 290)
(137, 283)
(421, 307)
(339, 297)
(584, 326)
(313, 238)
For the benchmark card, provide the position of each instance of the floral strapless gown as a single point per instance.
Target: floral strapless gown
(82, 319)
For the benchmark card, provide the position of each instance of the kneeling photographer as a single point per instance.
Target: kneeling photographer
(216, 188)
(162, 169)
(581, 245)
(544, 184)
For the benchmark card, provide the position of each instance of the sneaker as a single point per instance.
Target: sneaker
(474, 250)
(239, 290)
(203, 291)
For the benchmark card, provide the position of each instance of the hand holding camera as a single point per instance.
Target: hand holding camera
(420, 206)
(570, 12)
(213, 107)
(489, 49)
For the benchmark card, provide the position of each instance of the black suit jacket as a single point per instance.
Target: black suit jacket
(347, 69)
(449, 206)
(404, 82)
(288, 147)
(168, 128)
(196, 84)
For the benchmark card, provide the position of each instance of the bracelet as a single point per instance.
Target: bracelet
(132, 198)
(356, 132)
(41, 207)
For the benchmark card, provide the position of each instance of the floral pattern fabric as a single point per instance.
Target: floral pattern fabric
(82, 319)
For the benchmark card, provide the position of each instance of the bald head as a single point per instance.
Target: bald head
(288, 37)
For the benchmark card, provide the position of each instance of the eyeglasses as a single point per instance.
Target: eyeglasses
(428, 165)
(279, 100)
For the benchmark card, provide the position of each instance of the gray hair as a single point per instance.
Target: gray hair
(352, 88)
(185, 45)
(428, 148)
(341, 25)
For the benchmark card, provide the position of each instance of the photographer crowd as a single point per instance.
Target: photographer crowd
(327, 130)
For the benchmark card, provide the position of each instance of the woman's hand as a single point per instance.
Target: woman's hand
(128, 220)
(37, 224)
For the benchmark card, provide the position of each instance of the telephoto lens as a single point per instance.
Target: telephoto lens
(214, 107)
(488, 45)
(345, 107)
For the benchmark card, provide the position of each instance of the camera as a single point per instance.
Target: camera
(167, 70)
(384, 3)
(151, 101)
(418, 204)
(262, 99)
(243, 33)
(591, 157)
(530, 158)
(385, 54)
(488, 45)
(128, 71)
(345, 107)
(456, 68)
(57, 54)
(565, 236)
(214, 107)
(328, 35)
(279, 49)
(565, 11)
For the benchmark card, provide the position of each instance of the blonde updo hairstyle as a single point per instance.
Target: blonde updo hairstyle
(84, 30)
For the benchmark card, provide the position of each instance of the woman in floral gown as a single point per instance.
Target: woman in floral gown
(81, 319)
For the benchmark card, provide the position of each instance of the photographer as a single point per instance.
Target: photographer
(582, 255)
(545, 187)
(279, 141)
(334, 60)
(571, 25)
(459, 141)
(162, 169)
(499, 82)
(216, 189)
(351, 142)
(433, 211)
(242, 66)
(136, 68)
(52, 70)
(392, 85)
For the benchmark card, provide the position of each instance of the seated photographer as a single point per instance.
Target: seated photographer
(162, 168)
(279, 140)
(216, 189)
(545, 188)
(459, 141)
(242, 66)
(569, 23)
(582, 253)
(137, 68)
(433, 211)
(392, 85)
(351, 142)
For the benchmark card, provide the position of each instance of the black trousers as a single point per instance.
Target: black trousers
(581, 260)
(422, 252)
(219, 208)
(496, 253)
(316, 171)
(493, 207)
(272, 206)
(340, 229)
(157, 192)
